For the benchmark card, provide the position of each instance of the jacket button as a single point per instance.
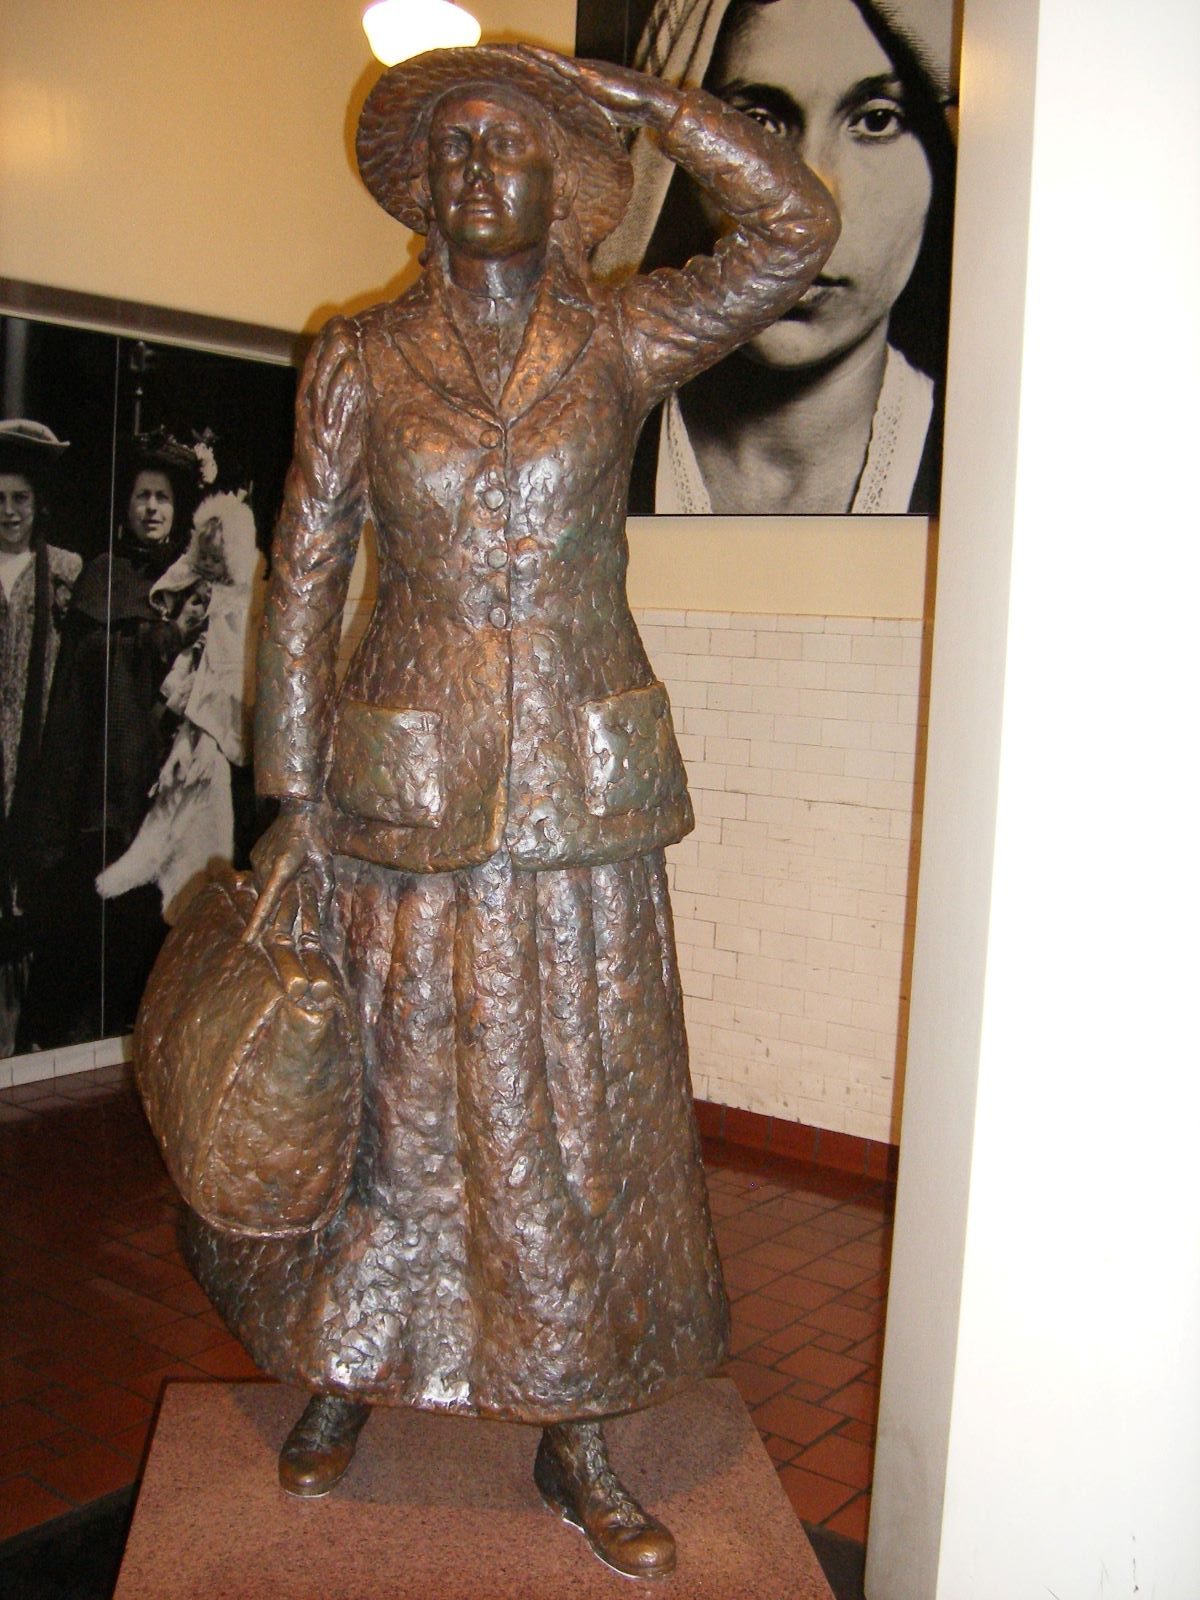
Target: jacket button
(498, 617)
(490, 438)
(493, 498)
(497, 558)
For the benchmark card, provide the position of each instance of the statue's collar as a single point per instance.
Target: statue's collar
(560, 324)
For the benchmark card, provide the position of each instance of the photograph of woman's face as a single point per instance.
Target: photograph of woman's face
(151, 512)
(18, 509)
(812, 71)
(837, 407)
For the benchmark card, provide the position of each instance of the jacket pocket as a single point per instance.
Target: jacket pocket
(630, 759)
(387, 764)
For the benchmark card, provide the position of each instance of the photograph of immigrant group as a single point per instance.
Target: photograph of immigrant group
(139, 484)
(838, 407)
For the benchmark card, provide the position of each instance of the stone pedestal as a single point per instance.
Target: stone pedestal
(442, 1508)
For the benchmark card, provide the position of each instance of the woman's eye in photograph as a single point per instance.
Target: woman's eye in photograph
(769, 120)
(878, 122)
(772, 111)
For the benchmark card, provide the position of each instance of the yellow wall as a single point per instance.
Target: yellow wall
(814, 566)
(199, 157)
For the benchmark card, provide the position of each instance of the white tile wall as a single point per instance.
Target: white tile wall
(792, 897)
(44, 1064)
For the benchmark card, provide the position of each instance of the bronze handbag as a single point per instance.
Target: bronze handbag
(252, 1082)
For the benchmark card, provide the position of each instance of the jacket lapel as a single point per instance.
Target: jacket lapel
(423, 331)
(559, 327)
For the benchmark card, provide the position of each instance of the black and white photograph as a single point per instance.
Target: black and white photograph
(837, 408)
(139, 485)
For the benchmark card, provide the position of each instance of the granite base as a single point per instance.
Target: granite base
(444, 1508)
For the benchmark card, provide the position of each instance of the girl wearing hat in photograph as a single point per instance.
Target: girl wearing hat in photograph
(481, 807)
(836, 407)
(36, 579)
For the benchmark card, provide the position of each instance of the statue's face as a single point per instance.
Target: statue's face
(491, 177)
(18, 507)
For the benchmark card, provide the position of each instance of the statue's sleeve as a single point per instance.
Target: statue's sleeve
(782, 226)
(313, 553)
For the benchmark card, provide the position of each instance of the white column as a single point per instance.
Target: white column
(1040, 1425)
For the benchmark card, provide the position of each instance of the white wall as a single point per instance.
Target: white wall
(792, 898)
(1040, 1426)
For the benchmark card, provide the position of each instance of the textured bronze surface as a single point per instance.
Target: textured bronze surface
(527, 1235)
(249, 1071)
(481, 807)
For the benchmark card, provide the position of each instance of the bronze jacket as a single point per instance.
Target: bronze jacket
(501, 697)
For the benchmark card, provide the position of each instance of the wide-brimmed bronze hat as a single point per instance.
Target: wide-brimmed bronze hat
(393, 131)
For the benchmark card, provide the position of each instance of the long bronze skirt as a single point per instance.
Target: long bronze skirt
(527, 1232)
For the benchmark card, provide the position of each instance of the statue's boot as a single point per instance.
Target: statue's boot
(321, 1446)
(573, 1473)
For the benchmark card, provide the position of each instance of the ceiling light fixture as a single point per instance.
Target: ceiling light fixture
(397, 29)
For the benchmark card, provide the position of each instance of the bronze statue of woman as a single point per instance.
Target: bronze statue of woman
(481, 808)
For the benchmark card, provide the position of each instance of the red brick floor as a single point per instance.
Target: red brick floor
(97, 1310)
